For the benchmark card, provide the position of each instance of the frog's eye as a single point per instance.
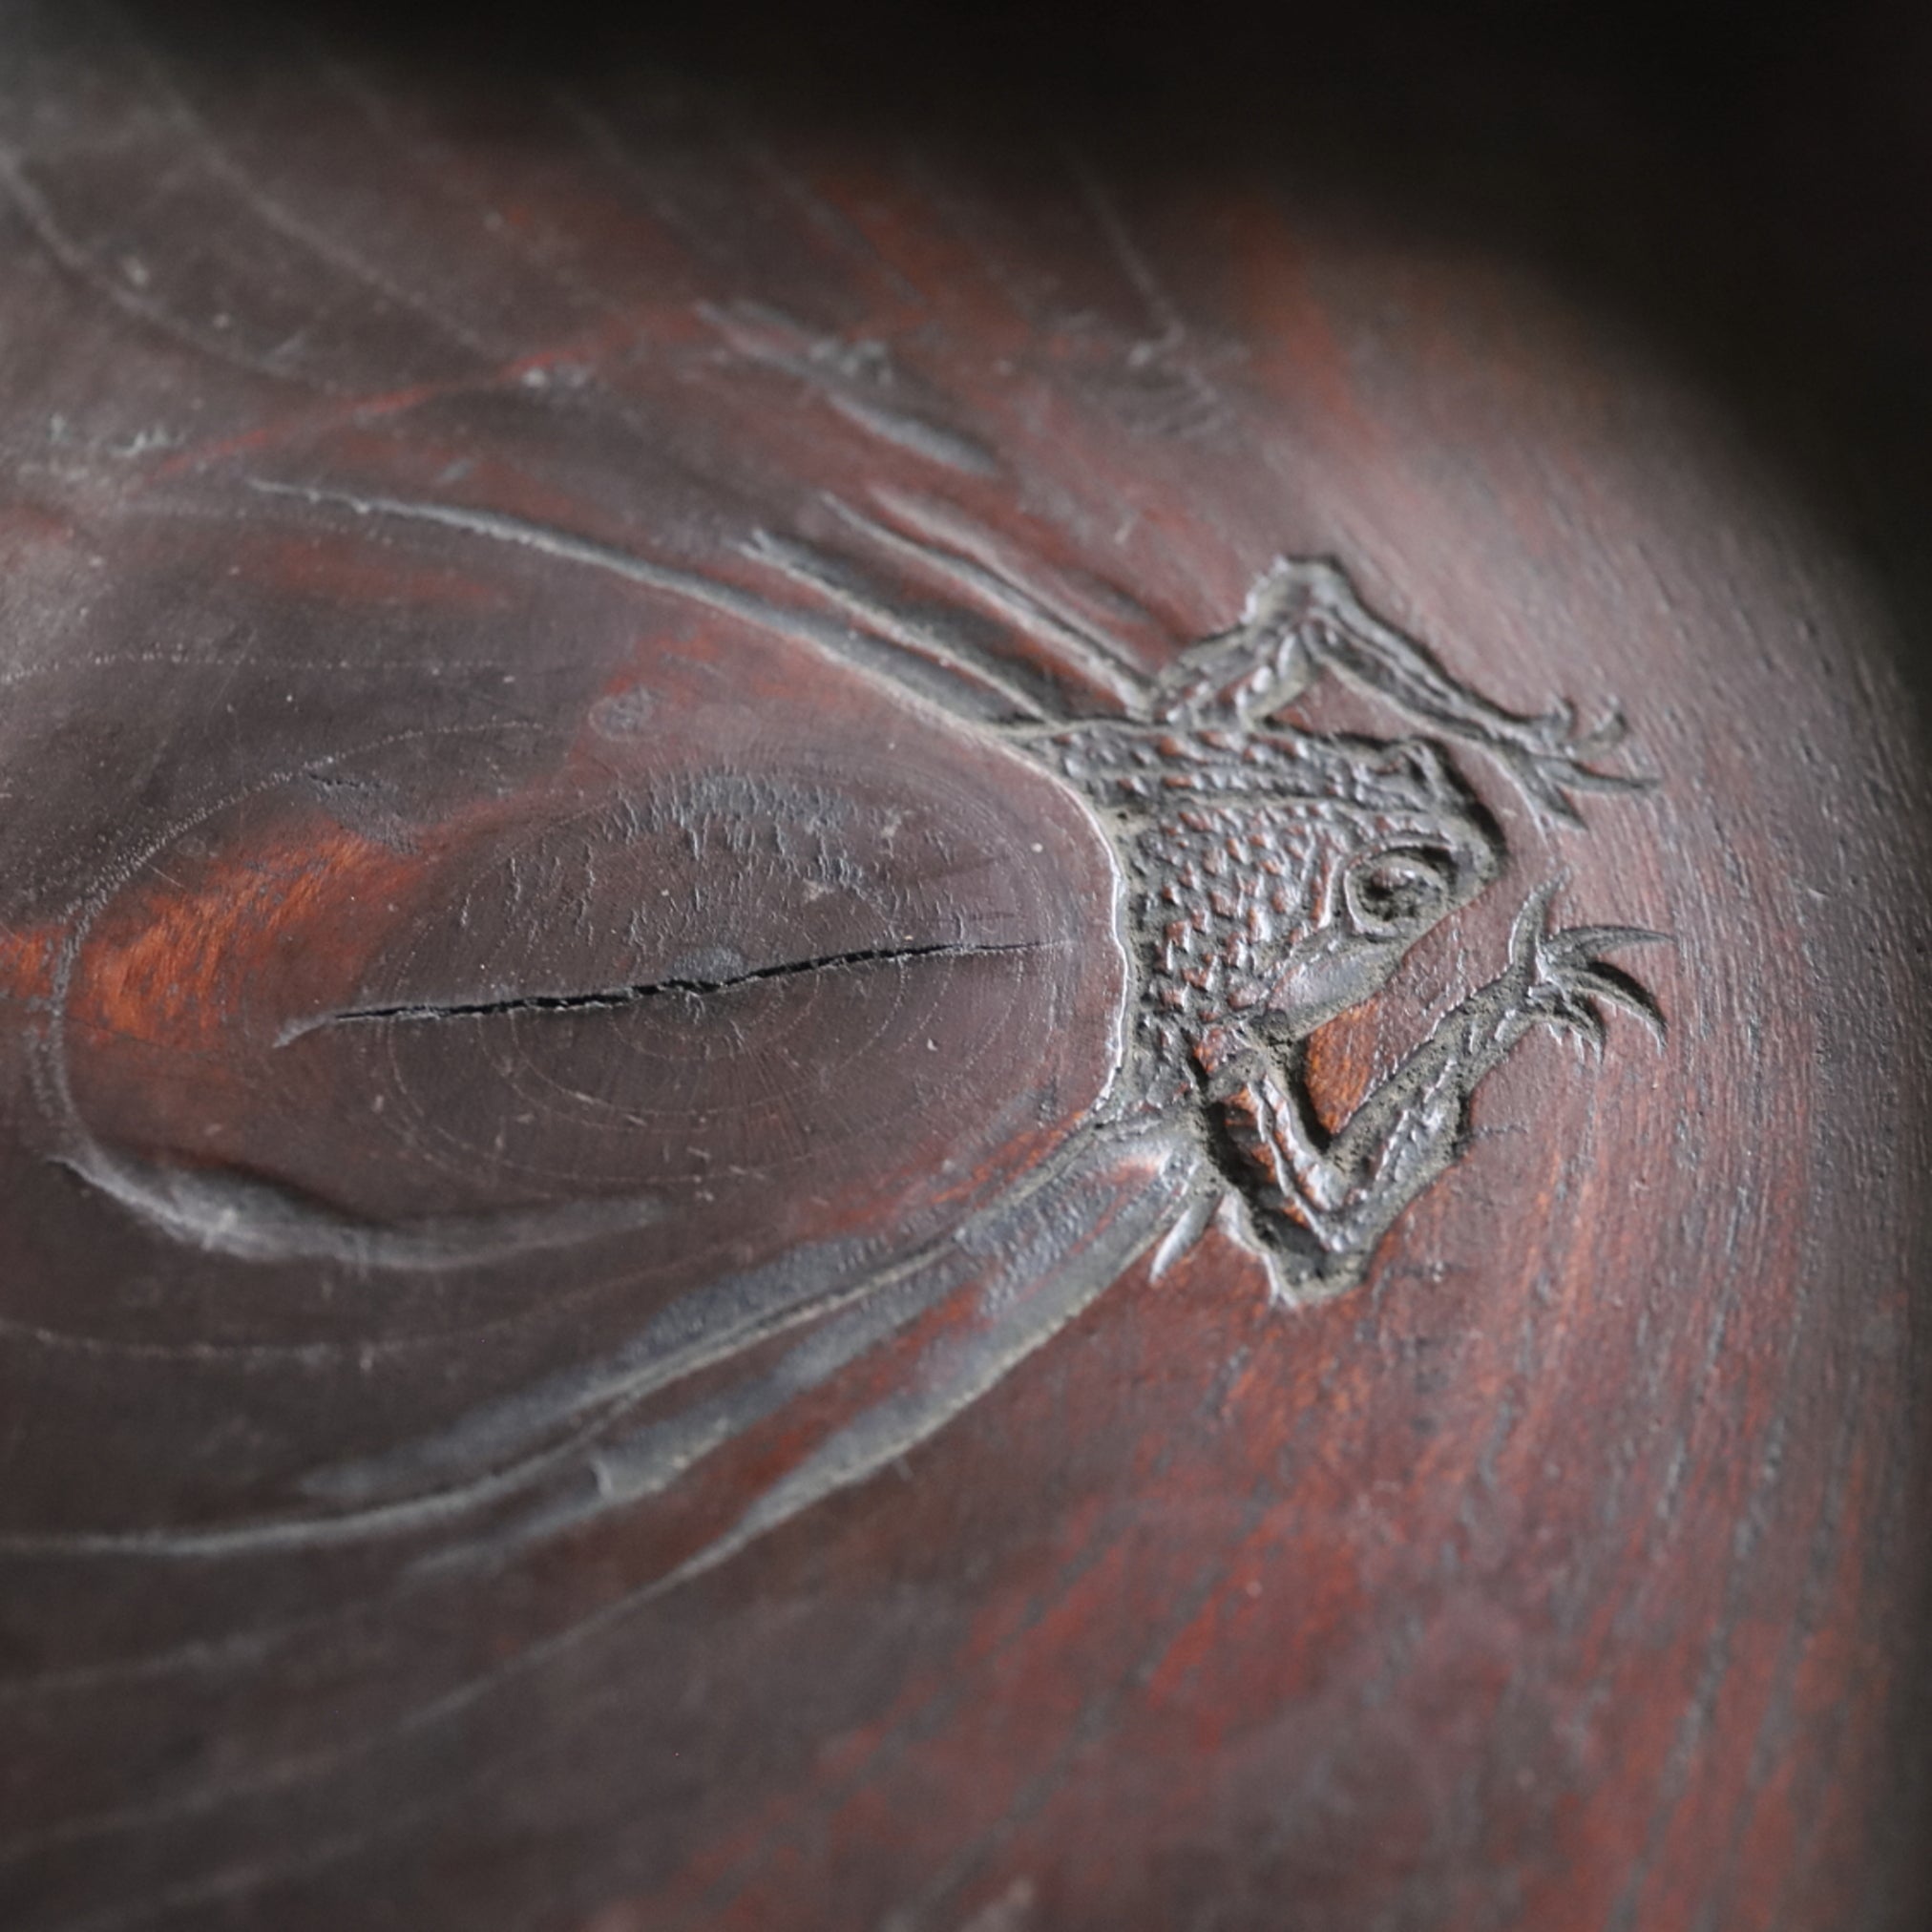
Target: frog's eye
(1389, 893)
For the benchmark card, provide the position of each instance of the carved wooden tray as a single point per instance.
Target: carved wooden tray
(851, 1075)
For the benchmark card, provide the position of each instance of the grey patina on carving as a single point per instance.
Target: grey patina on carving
(1278, 878)
(1281, 877)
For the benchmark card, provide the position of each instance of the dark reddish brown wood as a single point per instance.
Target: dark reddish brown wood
(495, 898)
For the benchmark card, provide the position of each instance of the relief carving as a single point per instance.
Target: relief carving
(1278, 876)
(1272, 876)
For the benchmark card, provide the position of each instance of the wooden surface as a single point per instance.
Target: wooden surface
(587, 1331)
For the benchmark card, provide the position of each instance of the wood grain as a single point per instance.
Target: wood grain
(573, 1354)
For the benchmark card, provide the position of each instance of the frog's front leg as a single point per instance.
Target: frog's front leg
(1320, 1204)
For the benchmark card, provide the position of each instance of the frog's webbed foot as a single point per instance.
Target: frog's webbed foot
(1548, 756)
(1319, 1205)
(1562, 980)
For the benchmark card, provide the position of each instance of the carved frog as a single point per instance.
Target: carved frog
(1280, 876)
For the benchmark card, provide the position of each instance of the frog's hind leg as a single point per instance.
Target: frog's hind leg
(1304, 616)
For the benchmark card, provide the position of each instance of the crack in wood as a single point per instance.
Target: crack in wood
(616, 998)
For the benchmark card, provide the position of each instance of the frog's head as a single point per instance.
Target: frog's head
(1395, 845)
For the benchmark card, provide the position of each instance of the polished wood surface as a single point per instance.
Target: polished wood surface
(605, 1322)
